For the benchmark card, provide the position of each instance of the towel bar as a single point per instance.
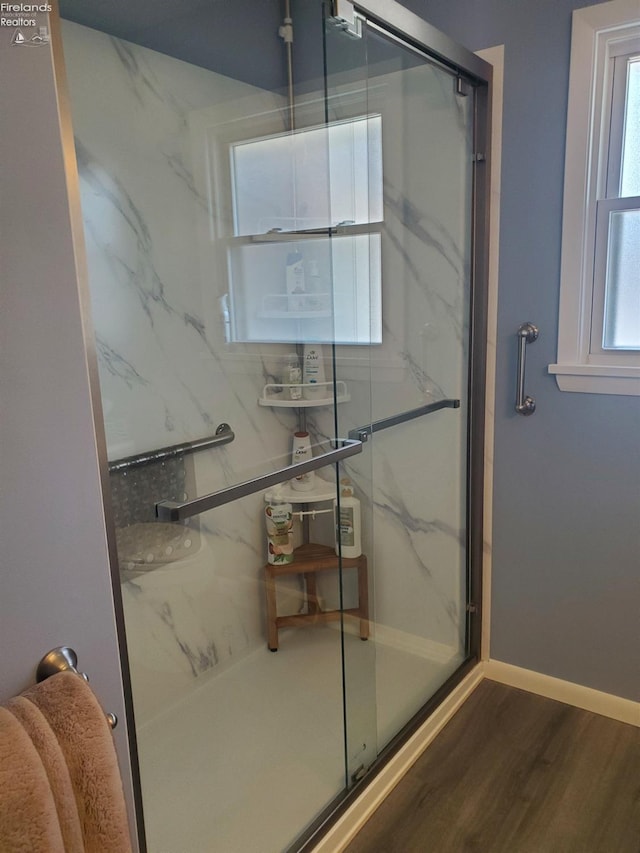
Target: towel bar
(64, 659)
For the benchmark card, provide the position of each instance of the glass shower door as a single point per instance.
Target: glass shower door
(210, 268)
(415, 414)
(280, 276)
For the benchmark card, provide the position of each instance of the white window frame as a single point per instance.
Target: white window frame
(599, 33)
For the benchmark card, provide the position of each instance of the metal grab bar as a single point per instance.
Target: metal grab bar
(223, 435)
(362, 433)
(172, 511)
(527, 334)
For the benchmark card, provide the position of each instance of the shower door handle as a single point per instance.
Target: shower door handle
(364, 432)
(173, 511)
(527, 334)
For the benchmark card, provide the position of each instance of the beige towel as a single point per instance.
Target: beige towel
(55, 766)
(68, 737)
(81, 728)
(28, 817)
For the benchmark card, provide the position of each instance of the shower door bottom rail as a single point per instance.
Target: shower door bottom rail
(174, 511)
(362, 433)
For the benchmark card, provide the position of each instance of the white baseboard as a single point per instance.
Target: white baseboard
(605, 704)
(346, 828)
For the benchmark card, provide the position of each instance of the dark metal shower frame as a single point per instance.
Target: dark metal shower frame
(395, 22)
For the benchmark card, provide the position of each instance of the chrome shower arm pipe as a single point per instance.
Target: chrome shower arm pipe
(286, 34)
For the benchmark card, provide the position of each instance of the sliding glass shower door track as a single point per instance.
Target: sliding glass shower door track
(309, 839)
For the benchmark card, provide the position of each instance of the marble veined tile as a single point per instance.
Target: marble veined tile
(186, 621)
(167, 373)
(150, 136)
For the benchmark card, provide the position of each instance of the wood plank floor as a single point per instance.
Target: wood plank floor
(516, 773)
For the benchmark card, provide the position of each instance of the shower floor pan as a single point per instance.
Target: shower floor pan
(248, 761)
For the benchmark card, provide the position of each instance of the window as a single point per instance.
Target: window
(304, 261)
(599, 331)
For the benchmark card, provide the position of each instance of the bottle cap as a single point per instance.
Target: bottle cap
(346, 489)
(275, 495)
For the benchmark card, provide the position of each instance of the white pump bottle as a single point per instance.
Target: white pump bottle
(348, 526)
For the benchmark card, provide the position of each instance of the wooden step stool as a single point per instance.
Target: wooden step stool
(307, 561)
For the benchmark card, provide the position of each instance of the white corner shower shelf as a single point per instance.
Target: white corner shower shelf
(322, 491)
(277, 395)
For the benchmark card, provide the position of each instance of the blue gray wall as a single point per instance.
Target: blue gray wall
(566, 567)
(238, 38)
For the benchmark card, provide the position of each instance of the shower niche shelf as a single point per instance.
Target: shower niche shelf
(277, 395)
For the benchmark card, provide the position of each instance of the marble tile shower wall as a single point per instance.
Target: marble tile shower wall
(415, 472)
(144, 124)
(166, 374)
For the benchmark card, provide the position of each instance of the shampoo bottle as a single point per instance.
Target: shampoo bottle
(313, 372)
(301, 452)
(278, 515)
(348, 528)
(293, 376)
